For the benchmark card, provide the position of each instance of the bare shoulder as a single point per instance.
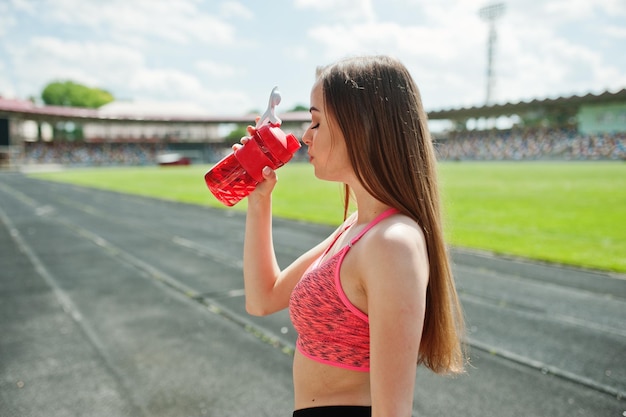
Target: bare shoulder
(396, 233)
(393, 262)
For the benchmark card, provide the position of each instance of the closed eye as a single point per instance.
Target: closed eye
(315, 126)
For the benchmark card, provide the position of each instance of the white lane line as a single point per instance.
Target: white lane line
(72, 311)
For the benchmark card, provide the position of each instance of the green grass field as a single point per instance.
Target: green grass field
(569, 213)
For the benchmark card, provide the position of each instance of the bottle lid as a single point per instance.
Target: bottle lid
(270, 113)
(276, 142)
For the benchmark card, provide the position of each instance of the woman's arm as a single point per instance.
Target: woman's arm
(260, 268)
(395, 277)
(267, 288)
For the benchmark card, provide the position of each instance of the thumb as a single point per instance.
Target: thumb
(265, 187)
(269, 173)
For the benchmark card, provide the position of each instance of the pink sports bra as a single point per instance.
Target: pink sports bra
(330, 328)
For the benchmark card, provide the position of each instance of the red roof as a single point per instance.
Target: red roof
(25, 108)
(28, 107)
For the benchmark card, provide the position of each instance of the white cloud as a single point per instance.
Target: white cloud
(23, 5)
(583, 9)
(219, 70)
(431, 53)
(225, 101)
(7, 20)
(537, 57)
(297, 53)
(235, 9)
(614, 31)
(569, 9)
(613, 7)
(343, 10)
(151, 108)
(388, 37)
(223, 55)
(158, 82)
(6, 87)
(175, 21)
(168, 85)
(48, 58)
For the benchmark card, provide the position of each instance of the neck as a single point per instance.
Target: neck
(368, 207)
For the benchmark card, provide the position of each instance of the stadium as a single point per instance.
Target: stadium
(589, 127)
(132, 305)
(122, 280)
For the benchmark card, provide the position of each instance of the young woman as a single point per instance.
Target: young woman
(377, 297)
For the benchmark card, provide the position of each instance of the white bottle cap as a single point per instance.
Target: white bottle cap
(270, 114)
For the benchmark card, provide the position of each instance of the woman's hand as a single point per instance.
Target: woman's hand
(251, 130)
(264, 188)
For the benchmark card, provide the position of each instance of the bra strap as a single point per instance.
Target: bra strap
(344, 227)
(389, 212)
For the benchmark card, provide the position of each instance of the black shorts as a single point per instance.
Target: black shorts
(335, 411)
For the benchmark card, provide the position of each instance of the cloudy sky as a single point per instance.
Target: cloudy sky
(223, 57)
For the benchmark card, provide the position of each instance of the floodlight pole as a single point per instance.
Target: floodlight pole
(490, 14)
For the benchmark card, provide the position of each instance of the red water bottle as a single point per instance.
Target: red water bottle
(237, 175)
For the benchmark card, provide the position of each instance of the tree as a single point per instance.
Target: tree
(236, 134)
(300, 107)
(69, 93)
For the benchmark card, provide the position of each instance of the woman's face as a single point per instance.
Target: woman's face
(327, 146)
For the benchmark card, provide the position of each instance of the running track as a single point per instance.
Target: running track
(118, 305)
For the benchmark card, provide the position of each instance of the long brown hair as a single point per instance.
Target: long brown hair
(379, 110)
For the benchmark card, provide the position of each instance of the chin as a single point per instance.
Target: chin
(319, 175)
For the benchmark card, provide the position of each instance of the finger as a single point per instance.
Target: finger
(269, 173)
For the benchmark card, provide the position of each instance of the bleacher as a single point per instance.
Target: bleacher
(103, 139)
(530, 144)
(492, 145)
(112, 154)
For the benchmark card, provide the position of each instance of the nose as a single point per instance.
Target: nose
(307, 137)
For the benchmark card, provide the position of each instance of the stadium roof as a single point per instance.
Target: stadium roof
(28, 110)
(31, 111)
(508, 109)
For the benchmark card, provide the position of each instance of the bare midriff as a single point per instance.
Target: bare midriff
(317, 384)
